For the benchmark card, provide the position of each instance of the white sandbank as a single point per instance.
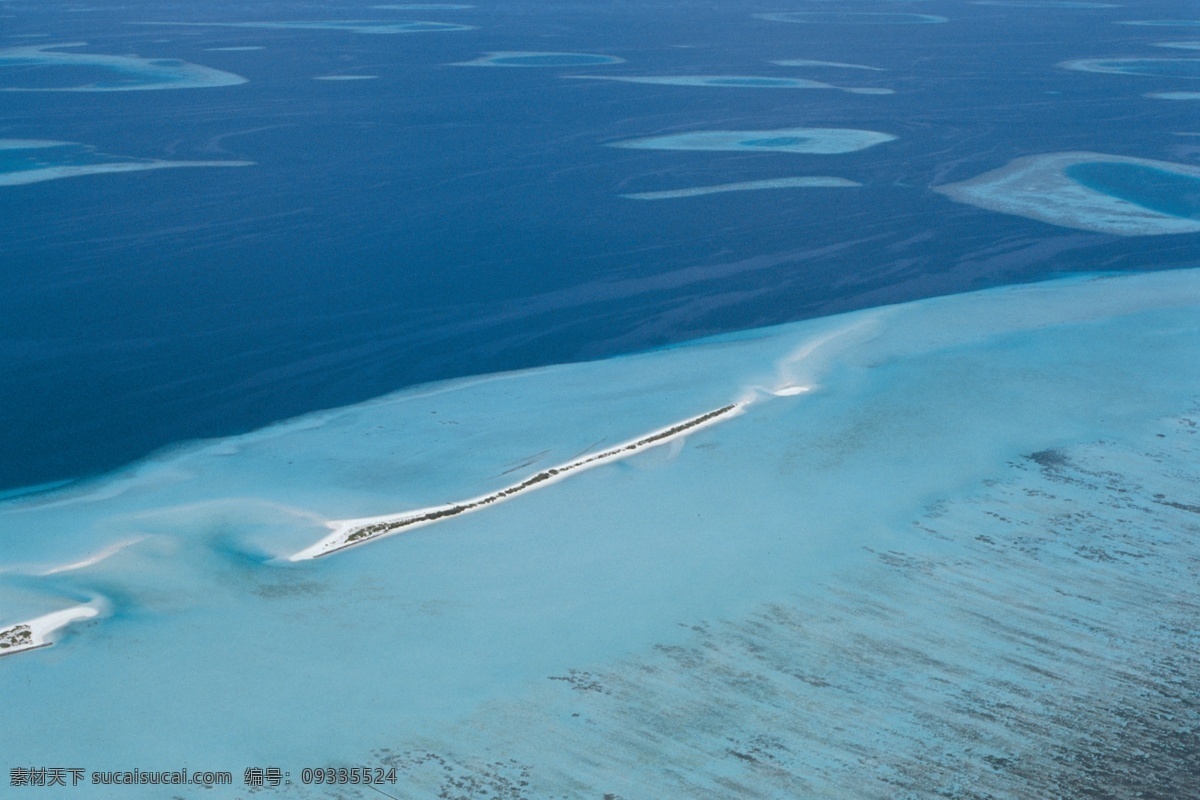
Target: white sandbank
(771, 183)
(158, 73)
(1179, 45)
(731, 82)
(244, 49)
(531, 58)
(35, 633)
(1037, 187)
(369, 26)
(808, 62)
(825, 141)
(352, 532)
(345, 77)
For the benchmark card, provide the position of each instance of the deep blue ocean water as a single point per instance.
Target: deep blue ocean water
(445, 221)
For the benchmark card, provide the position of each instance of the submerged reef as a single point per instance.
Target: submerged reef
(114, 73)
(785, 140)
(528, 58)
(25, 161)
(732, 82)
(1089, 191)
(369, 26)
(1035, 638)
(853, 18)
(1158, 67)
(808, 62)
(806, 182)
(1173, 95)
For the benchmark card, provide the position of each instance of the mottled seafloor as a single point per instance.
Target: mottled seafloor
(965, 564)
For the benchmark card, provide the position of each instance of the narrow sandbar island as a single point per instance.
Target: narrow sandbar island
(351, 532)
(35, 633)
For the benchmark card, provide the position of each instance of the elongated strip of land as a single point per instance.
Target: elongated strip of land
(35, 633)
(348, 533)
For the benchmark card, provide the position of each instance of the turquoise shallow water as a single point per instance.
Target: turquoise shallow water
(778, 141)
(1167, 192)
(985, 502)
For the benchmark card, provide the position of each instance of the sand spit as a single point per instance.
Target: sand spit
(348, 533)
(35, 633)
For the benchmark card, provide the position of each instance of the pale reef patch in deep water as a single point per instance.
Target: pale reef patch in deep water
(113, 73)
(784, 140)
(808, 62)
(367, 26)
(732, 82)
(801, 182)
(853, 18)
(1158, 67)
(1173, 95)
(1128, 196)
(24, 161)
(529, 58)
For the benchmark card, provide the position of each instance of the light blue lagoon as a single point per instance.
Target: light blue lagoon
(1171, 193)
(865, 540)
(44, 69)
